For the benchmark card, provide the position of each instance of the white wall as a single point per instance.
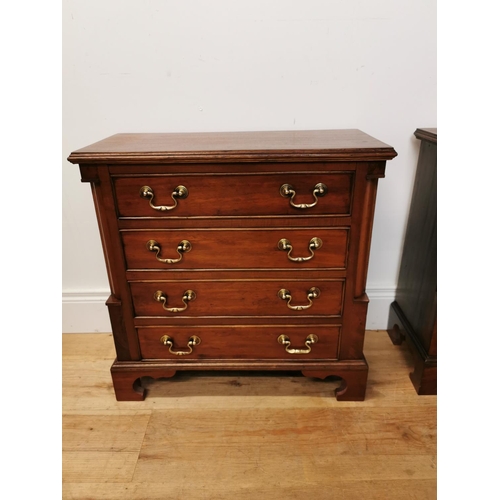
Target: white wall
(193, 65)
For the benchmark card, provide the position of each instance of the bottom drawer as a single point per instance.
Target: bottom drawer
(240, 342)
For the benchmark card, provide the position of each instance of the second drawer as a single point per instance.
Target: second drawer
(324, 248)
(238, 298)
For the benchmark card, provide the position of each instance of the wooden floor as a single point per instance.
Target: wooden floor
(245, 435)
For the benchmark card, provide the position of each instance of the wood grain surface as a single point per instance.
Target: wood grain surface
(245, 436)
(240, 342)
(239, 298)
(237, 248)
(327, 144)
(229, 195)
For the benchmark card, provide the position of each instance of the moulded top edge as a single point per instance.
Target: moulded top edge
(309, 145)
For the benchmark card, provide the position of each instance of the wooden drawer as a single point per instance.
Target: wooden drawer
(237, 298)
(231, 195)
(236, 248)
(239, 342)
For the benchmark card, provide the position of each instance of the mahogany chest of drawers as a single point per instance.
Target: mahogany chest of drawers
(236, 251)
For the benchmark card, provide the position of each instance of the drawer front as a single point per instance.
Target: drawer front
(233, 195)
(319, 248)
(238, 298)
(244, 342)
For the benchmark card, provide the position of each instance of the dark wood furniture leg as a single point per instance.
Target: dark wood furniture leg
(424, 375)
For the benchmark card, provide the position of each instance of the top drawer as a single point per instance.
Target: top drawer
(230, 195)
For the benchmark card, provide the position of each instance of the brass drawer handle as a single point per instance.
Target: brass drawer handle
(288, 191)
(180, 192)
(312, 293)
(183, 247)
(193, 341)
(314, 244)
(189, 295)
(310, 339)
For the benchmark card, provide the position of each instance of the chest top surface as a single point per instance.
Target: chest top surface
(350, 145)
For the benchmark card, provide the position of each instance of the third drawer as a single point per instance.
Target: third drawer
(239, 298)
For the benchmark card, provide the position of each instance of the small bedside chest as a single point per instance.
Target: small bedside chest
(413, 315)
(236, 251)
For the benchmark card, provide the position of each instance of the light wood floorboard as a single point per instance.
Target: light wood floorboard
(237, 435)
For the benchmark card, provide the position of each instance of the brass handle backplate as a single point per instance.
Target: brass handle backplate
(183, 247)
(169, 341)
(188, 295)
(180, 192)
(312, 293)
(314, 244)
(310, 339)
(288, 191)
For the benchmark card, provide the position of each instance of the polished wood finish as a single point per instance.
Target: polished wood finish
(237, 248)
(413, 315)
(234, 215)
(270, 435)
(240, 342)
(233, 195)
(239, 298)
(330, 145)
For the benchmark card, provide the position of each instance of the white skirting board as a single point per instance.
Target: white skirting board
(378, 308)
(86, 312)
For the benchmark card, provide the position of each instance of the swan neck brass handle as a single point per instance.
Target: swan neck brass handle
(169, 341)
(180, 192)
(188, 296)
(312, 293)
(183, 247)
(288, 191)
(310, 340)
(314, 244)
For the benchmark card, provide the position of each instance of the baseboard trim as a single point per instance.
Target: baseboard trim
(84, 312)
(381, 299)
